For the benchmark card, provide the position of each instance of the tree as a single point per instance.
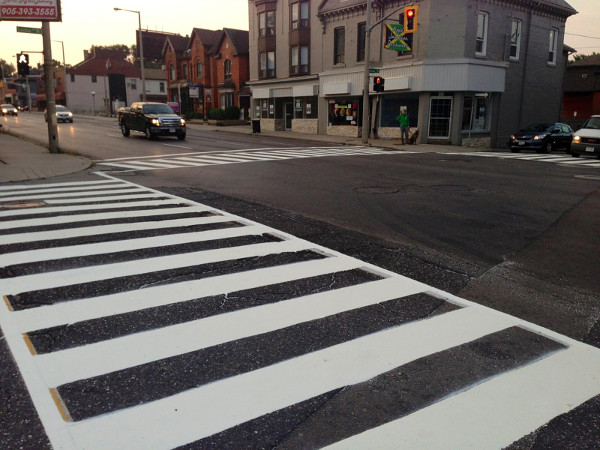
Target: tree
(8, 70)
(121, 48)
(580, 56)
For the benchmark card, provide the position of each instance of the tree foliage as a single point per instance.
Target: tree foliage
(8, 70)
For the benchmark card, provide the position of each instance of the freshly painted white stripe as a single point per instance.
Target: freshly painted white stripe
(55, 185)
(68, 233)
(124, 165)
(152, 345)
(43, 196)
(49, 254)
(83, 207)
(556, 159)
(65, 189)
(187, 417)
(155, 164)
(106, 199)
(497, 412)
(100, 216)
(179, 162)
(48, 280)
(582, 162)
(108, 305)
(178, 146)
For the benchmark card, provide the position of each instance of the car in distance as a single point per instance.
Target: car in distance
(542, 137)
(120, 111)
(587, 139)
(152, 119)
(8, 110)
(63, 114)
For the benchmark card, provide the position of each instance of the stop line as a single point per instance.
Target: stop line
(556, 159)
(138, 318)
(199, 159)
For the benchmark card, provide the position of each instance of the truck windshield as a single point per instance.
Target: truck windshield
(157, 109)
(593, 123)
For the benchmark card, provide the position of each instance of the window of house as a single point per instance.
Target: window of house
(162, 86)
(171, 72)
(94, 79)
(360, 41)
(267, 64)
(72, 78)
(185, 71)
(198, 69)
(339, 45)
(266, 23)
(408, 38)
(226, 100)
(133, 82)
(482, 33)
(515, 40)
(299, 15)
(299, 59)
(227, 67)
(552, 46)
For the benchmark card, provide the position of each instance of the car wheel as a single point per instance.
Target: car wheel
(124, 130)
(148, 134)
(181, 136)
(575, 154)
(546, 148)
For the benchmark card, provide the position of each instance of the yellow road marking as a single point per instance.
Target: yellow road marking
(60, 405)
(8, 305)
(29, 344)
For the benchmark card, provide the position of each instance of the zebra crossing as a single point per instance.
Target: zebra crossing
(556, 159)
(199, 159)
(139, 319)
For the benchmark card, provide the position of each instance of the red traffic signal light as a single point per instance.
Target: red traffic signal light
(378, 84)
(410, 18)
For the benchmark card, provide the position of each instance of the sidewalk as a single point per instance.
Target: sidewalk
(22, 159)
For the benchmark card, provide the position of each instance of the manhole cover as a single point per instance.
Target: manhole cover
(376, 190)
(21, 205)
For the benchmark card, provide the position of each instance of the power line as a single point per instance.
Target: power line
(582, 35)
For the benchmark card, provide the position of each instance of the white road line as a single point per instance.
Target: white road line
(187, 417)
(124, 165)
(152, 345)
(49, 254)
(57, 185)
(128, 190)
(100, 216)
(178, 146)
(69, 233)
(65, 189)
(109, 305)
(114, 198)
(69, 277)
(497, 412)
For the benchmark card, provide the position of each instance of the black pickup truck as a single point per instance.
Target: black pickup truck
(152, 119)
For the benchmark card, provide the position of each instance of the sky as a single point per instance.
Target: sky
(86, 23)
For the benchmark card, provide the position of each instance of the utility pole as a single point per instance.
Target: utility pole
(365, 115)
(50, 97)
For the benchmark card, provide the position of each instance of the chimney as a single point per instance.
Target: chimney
(86, 55)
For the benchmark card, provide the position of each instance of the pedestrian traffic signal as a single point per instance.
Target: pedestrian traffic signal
(378, 84)
(410, 18)
(23, 64)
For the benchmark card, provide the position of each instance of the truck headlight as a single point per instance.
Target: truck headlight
(183, 122)
(577, 139)
(155, 122)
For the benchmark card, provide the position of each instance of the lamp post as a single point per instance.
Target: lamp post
(94, 102)
(65, 67)
(141, 49)
(366, 125)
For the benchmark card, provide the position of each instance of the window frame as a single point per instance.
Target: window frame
(297, 19)
(481, 41)
(264, 29)
(172, 72)
(264, 70)
(199, 69)
(553, 46)
(227, 69)
(515, 43)
(299, 68)
(361, 30)
(339, 45)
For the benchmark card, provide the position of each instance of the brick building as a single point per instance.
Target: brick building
(581, 98)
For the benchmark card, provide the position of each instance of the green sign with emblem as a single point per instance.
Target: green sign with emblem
(29, 30)
(396, 40)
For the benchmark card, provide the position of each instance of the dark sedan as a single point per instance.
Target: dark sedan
(542, 137)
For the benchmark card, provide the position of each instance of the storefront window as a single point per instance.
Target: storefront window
(391, 106)
(476, 110)
(343, 112)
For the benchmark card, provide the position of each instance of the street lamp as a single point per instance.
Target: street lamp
(65, 67)
(141, 49)
(94, 102)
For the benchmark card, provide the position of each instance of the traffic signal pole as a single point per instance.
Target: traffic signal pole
(49, 83)
(365, 115)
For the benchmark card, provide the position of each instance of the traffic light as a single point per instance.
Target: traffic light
(410, 18)
(378, 84)
(23, 64)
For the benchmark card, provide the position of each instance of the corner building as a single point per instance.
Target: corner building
(474, 71)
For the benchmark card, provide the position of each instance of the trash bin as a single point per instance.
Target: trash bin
(256, 126)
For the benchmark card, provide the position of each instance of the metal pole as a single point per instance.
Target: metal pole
(65, 67)
(28, 90)
(50, 98)
(142, 58)
(365, 115)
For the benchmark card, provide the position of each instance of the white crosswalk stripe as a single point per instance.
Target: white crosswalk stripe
(495, 412)
(556, 159)
(199, 159)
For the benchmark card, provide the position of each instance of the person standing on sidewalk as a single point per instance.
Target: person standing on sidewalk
(404, 125)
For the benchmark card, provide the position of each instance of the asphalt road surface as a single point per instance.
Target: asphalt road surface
(277, 295)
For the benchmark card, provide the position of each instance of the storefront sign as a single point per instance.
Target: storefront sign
(298, 104)
(308, 108)
(37, 10)
(396, 40)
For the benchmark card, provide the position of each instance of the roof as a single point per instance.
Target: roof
(153, 43)
(96, 65)
(209, 38)
(239, 39)
(590, 61)
(155, 74)
(177, 42)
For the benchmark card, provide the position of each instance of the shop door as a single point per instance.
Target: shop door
(440, 113)
(289, 114)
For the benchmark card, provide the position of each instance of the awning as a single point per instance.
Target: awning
(57, 96)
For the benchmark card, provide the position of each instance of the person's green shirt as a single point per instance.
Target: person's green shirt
(403, 119)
